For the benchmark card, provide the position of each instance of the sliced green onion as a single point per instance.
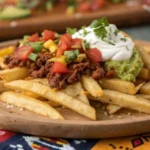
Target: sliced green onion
(33, 56)
(37, 46)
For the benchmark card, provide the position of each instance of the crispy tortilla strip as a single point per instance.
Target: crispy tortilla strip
(118, 85)
(13, 74)
(145, 89)
(75, 90)
(2, 87)
(111, 109)
(145, 55)
(31, 104)
(91, 86)
(143, 96)
(144, 74)
(56, 96)
(125, 101)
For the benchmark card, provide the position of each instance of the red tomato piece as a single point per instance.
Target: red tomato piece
(76, 43)
(65, 43)
(84, 7)
(59, 68)
(94, 55)
(23, 52)
(48, 35)
(97, 4)
(34, 37)
(147, 2)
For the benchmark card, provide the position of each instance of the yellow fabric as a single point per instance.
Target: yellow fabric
(131, 143)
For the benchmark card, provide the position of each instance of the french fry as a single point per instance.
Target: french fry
(118, 85)
(145, 56)
(143, 96)
(111, 109)
(31, 104)
(145, 89)
(144, 74)
(2, 65)
(138, 87)
(2, 87)
(56, 96)
(13, 74)
(75, 90)
(91, 86)
(125, 101)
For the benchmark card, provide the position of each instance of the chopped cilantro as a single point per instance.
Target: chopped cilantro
(100, 23)
(123, 39)
(116, 32)
(71, 30)
(99, 27)
(85, 45)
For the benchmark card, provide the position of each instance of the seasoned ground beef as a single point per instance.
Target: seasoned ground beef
(42, 68)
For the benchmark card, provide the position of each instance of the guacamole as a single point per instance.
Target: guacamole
(128, 69)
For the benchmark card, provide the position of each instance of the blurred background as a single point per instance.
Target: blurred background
(21, 17)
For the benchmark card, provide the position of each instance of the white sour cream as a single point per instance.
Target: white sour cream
(114, 47)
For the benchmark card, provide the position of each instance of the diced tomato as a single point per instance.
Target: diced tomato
(59, 68)
(76, 43)
(84, 7)
(94, 55)
(147, 2)
(34, 38)
(23, 52)
(65, 43)
(48, 35)
(97, 4)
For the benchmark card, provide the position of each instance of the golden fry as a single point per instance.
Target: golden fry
(118, 85)
(56, 96)
(31, 104)
(13, 74)
(91, 86)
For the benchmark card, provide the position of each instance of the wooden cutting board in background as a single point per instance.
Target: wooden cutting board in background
(119, 14)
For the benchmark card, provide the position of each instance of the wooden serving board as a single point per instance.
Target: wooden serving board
(57, 20)
(124, 123)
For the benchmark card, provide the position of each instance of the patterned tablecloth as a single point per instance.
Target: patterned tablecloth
(15, 141)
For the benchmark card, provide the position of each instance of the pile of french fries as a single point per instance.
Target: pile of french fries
(35, 94)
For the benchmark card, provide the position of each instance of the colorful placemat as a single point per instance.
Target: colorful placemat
(16, 141)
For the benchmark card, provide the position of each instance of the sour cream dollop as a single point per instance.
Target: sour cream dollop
(114, 47)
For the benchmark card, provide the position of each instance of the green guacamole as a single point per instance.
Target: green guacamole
(128, 69)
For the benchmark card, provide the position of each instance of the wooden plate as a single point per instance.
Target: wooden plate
(124, 123)
(119, 14)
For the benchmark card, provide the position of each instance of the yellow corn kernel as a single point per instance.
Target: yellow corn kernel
(7, 51)
(61, 59)
(80, 58)
(70, 10)
(51, 46)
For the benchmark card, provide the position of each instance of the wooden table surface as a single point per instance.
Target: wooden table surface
(120, 14)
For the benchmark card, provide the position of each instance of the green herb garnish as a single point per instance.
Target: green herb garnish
(85, 45)
(123, 39)
(116, 32)
(99, 27)
(71, 30)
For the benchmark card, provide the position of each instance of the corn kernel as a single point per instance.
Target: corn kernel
(51, 46)
(70, 10)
